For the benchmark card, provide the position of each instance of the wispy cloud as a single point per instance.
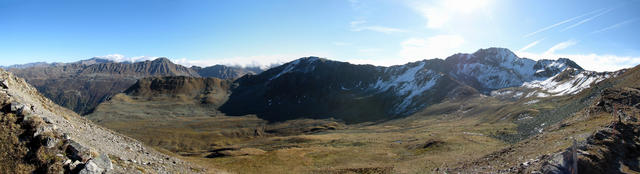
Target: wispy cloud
(439, 46)
(560, 23)
(614, 26)
(359, 26)
(369, 50)
(560, 46)
(587, 19)
(534, 43)
(342, 44)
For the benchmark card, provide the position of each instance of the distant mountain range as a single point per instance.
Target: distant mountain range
(315, 87)
(82, 85)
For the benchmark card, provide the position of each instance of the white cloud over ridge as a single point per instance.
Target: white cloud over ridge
(594, 62)
(122, 58)
(262, 61)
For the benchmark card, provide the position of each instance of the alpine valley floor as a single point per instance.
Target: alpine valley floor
(474, 134)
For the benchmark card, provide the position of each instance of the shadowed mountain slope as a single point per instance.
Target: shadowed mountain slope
(319, 88)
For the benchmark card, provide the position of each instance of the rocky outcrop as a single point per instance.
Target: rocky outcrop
(614, 149)
(43, 137)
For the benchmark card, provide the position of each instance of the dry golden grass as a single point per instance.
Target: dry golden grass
(187, 135)
(362, 147)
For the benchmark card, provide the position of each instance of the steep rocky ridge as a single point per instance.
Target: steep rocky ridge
(36, 123)
(81, 85)
(226, 72)
(497, 68)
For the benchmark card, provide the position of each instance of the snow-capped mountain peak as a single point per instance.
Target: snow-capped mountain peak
(496, 68)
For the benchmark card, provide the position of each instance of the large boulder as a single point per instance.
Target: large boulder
(103, 162)
(76, 151)
(91, 168)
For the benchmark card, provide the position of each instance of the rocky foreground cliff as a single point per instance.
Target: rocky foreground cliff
(38, 136)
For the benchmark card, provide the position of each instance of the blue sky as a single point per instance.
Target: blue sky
(598, 34)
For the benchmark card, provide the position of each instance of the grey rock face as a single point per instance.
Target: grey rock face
(559, 164)
(73, 165)
(42, 129)
(51, 142)
(78, 152)
(3, 84)
(91, 168)
(16, 107)
(103, 162)
(47, 120)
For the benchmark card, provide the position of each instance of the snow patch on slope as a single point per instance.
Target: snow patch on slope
(287, 69)
(579, 82)
(491, 76)
(411, 83)
(294, 64)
